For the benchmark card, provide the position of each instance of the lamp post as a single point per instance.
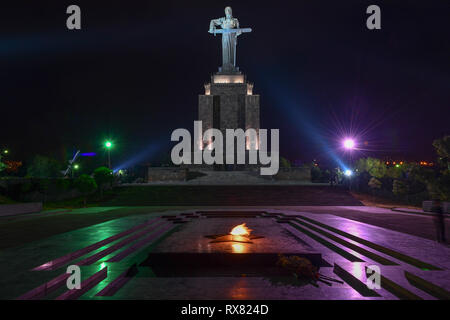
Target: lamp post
(348, 173)
(108, 146)
(349, 145)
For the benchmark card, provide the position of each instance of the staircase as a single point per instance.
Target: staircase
(228, 178)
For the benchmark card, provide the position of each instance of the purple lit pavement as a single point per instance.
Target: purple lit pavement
(116, 257)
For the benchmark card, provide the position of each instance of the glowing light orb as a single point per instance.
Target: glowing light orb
(348, 172)
(108, 144)
(349, 144)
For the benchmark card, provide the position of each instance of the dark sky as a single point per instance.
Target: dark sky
(135, 69)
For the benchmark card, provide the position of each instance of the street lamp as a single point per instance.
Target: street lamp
(349, 144)
(6, 151)
(348, 173)
(74, 167)
(108, 146)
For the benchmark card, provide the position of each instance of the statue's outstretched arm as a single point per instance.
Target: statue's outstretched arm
(237, 26)
(213, 24)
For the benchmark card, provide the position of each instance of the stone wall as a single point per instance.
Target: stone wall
(298, 174)
(430, 206)
(20, 208)
(166, 174)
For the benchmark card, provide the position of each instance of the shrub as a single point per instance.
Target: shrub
(374, 183)
(63, 184)
(27, 186)
(315, 174)
(103, 176)
(44, 167)
(400, 187)
(44, 186)
(86, 185)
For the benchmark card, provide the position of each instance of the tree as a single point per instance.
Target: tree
(375, 167)
(444, 186)
(284, 163)
(437, 179)
(44, 167)
(2, 165)
(394, 172)
(12, 166)
(86, 185)
(442, 147)
(103, 176)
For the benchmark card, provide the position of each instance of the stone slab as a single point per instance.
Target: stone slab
(191, 238)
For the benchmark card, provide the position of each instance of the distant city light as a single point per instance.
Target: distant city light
(348, 172)
(349, 143)
(5, 151)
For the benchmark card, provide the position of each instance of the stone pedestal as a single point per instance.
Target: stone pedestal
(229, 103)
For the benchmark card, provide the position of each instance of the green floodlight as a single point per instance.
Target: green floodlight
(76, 167)
(108, 146)
(5, 151)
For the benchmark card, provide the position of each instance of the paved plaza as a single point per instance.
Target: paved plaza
(166, 255)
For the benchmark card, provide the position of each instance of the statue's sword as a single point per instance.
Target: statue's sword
(236, 30)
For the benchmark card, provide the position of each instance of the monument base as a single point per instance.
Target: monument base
(190, 253)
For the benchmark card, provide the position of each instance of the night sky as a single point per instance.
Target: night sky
(134, 71)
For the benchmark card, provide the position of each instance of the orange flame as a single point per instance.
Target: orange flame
(240, 230)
